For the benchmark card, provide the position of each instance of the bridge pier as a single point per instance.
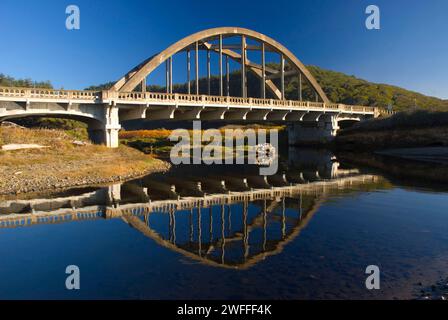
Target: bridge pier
(106, 131)
(112, 126)
(313, 132)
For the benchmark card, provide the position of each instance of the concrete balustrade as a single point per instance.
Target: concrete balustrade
(150, 97)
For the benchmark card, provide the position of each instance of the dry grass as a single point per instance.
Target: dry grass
(142, 134)
(65, 164)
(165, 133)
(47, 137)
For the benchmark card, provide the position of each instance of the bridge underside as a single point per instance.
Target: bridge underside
(102, 121)
(306, 124)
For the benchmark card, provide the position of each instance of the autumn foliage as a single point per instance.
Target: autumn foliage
(139, 134)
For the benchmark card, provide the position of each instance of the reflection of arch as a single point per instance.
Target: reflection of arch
(275, 247)
(137, 75)
(96, 205)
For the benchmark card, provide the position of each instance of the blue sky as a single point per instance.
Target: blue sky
(410, 50)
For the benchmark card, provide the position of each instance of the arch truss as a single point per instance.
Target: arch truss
(211, 41)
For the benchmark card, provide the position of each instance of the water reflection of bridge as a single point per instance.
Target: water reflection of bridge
(232, 229)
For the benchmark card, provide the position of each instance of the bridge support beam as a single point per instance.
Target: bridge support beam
(236, 115)
(259, 115)
(106, 132)
(313, 132)
(112, 126)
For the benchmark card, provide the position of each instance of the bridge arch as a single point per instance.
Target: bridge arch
(95, 124)
(85, 118)
(199, 41)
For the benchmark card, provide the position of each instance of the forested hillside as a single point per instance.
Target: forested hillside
(348, 89)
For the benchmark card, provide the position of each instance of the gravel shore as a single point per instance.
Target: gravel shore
(49, 177)
(64, 163)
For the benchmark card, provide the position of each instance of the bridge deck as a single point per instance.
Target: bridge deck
(152, 98)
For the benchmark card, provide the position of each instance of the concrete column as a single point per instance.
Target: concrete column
(167, 76)
(220, 66)
(171, 73)
(188, 71)
(144, 85)
(197, 66)
(105, 131)
(263, 72)
(227, 76)
(114, 193)
(112, 126)
(243, 66)
(311, 132)
(282, 76)
(208, 72)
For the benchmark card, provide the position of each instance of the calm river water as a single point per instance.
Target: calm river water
(204, 232)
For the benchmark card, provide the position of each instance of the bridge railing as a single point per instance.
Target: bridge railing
(191, 98)
(43, 93)
(385, 113)
(178, 98)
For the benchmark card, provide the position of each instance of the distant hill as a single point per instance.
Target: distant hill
(343, 88)
(7, 81)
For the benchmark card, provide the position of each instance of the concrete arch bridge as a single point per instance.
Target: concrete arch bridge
(314, 119)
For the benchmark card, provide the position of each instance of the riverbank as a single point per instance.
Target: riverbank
(402, 130)
(395, 138)
(63, 162)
